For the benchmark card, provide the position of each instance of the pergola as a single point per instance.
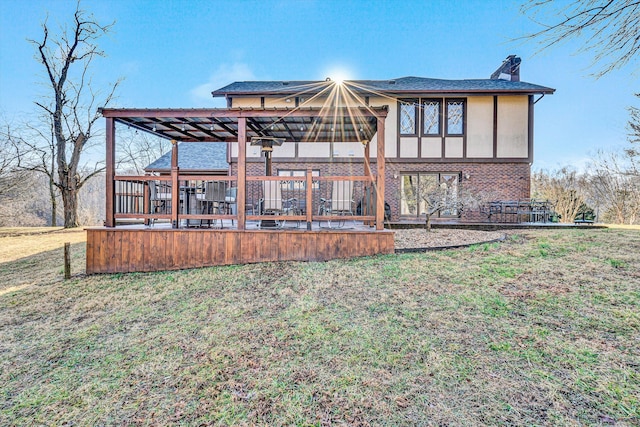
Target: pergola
(340, 124)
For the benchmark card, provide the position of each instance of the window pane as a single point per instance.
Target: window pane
(408, 194)
(449, 185)
(454, 117)
(407, 118)
(429, 202)
(432, 118)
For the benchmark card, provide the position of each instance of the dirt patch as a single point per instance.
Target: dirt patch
(418, 238)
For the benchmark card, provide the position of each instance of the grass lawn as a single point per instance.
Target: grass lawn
(542, 329)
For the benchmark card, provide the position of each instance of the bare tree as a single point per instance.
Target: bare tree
(34, 149)
(136, 150)
(451, 198)
(71, 107)
(564, 188)
(634, 123)
(9, 174)
(611, 28)
(615, 185)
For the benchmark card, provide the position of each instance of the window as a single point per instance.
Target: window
(407, 118)
(455, 117)
(297, 185)
(431, 116)
(431, 193)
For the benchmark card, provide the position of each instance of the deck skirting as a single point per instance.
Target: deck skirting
(117, 250)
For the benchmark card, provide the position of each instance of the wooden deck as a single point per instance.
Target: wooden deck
(121, 250)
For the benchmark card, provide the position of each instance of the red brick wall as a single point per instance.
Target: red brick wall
(504, 181)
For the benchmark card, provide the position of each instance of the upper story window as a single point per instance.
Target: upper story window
(407, 117)
(455, 117)
(431, 116)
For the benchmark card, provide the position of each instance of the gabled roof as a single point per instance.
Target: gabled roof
(399, 86)
(194, 156)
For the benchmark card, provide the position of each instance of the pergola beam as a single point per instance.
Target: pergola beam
(241, 112)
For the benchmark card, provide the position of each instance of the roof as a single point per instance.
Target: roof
(306, 124)
(399, 86)
(194, 156)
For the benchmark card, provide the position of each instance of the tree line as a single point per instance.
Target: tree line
(608, 190)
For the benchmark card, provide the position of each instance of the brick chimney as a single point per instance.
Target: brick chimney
(509, 70)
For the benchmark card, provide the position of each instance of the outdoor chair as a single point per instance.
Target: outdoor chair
(271, 202)
(340, 203)
(160, 198)
(213, 200)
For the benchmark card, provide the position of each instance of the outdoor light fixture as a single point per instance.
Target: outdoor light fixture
(182, 128)
(287, 100)
(364, 142)
(154, 128)
(301, 128)
(211, 128)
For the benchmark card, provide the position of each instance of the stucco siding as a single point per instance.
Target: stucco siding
(513, 127)
(480, 127)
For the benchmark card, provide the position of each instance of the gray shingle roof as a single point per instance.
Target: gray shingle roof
(393, 86)
(194, 156)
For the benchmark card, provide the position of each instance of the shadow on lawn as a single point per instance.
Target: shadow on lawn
(42, 268)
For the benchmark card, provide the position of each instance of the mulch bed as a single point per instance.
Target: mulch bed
(417, 238)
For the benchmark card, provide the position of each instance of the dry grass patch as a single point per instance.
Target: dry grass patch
(32, 256)
(541, 329)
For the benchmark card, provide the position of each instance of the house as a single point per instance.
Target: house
(476, 134)
(322, 139)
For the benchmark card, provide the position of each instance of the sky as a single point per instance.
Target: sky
(173, 53)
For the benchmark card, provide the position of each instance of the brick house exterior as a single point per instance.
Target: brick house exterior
(474, 134)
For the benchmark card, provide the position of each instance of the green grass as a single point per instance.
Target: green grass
(495, 334)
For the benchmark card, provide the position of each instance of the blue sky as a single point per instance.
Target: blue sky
(172, 53)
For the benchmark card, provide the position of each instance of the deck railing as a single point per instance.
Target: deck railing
(204, 200)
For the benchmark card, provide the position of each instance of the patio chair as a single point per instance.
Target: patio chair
(271, 202)
(160, 198)
(341, 201)
(213, 200)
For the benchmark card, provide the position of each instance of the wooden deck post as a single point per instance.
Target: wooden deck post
(309, 201)
(366, 208)
(146, 201)
(110, 220)
(242, 171)
(381, 173)
(175, 185)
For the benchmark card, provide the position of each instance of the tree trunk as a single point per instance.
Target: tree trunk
(428, 223)
(54, 203)
(70, 203)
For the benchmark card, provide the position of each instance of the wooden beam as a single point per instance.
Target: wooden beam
(224, 126)
(175, 185)
(377, 112)
(242, 171)
(212, 136)
(110, 220)
(254, 127)
(309, 200)
(380, 181)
